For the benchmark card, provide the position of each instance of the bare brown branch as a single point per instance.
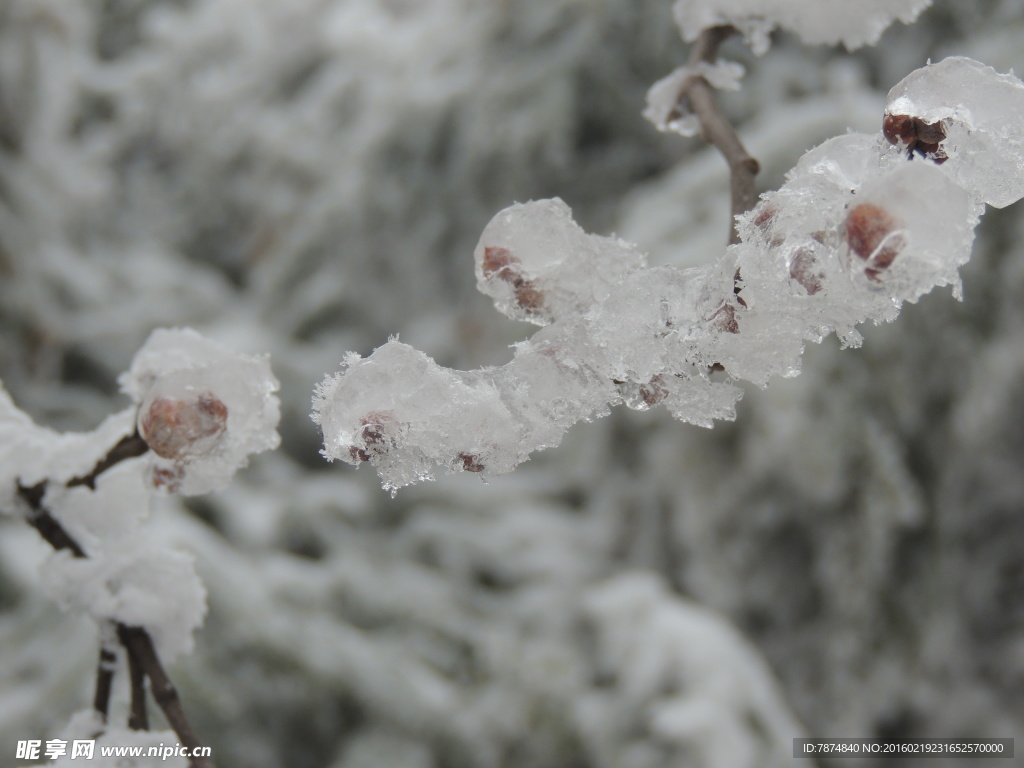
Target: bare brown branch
(40, 518)
(143, 661)
(129, 447)
(138, 720)
(697, 96)
(104, 681)
(140, 645)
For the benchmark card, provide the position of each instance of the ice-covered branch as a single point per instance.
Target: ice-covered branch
(859, 227)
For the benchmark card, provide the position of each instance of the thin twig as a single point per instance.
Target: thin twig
(697, 96)
(139, 644)
(41, 519)
(129, 447)
(138, 720)
(104, 681)
(143, 660)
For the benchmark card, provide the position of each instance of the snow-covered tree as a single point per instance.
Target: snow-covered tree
(311, 177)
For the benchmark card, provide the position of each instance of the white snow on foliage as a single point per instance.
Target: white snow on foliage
(854, 24)
(174, 377)
(857, 230)
(689, 679)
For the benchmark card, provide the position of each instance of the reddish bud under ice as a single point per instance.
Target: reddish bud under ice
(177, 429)
(724, 319)
(471, 462)
(916, 135)
(503, 264)
(873, 235)
(654, 391)
(804, 268)
(167, 479)
(376, 435)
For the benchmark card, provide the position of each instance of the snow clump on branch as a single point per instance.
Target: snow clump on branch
(861, 226)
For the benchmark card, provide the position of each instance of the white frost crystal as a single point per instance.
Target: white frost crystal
(203, 409)
(687, 676)
(538, 264)
(982, 115)
(829, 22)
(136, 581)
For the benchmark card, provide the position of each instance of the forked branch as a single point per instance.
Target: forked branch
(143, 661)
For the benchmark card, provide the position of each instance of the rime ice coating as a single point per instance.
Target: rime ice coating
(829, 22)
(982, 114)
(857, 229)
(537, 264)
(202, 409)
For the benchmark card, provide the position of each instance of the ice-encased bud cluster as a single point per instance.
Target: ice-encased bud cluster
(664, 108)
(406, 414)
(537, 264)
(858, 228)
(980, 112)
(829, 22)
(202, 409)
(135, 580)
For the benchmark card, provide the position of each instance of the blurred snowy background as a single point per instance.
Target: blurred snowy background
(308, 177)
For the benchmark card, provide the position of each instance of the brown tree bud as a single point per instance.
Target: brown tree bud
(471, 462)
(177, 429)
(168, 479)
(899, 129)
(916, 135)
(724, 319)
(503, 264)
(803, 268)
(764, 215)
(654, 391)
(377, 433)
(872, 235)
(496, 258)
